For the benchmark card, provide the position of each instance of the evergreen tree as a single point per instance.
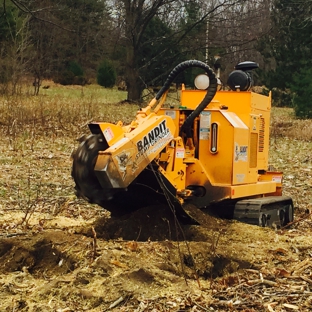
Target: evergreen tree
(106, 74)
(7, 31)
(289, 45)
(302, 89)
(293, 45)
(158, 53)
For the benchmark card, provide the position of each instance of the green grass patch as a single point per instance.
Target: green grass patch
(91, 92)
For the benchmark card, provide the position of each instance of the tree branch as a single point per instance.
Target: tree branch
(26, 10)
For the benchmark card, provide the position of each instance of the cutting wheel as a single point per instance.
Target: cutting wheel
(84, 158)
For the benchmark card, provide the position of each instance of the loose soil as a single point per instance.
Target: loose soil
(59, 253)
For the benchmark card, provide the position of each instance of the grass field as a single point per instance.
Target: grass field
(59, 253)
(40, 127)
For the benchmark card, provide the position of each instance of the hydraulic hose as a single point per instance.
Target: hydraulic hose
(211, 91)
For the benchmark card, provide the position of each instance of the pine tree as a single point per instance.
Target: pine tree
(290, 45)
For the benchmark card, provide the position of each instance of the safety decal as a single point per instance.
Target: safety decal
(240, 177)
(277, 179)
(204, 125)
(204, 133)
(180, 151)
(240, 152)
(125, 162)
(108, 134)
(171, 113)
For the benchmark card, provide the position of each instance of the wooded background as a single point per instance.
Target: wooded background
(140, 41)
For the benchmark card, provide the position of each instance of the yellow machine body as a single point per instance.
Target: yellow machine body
(199, 154)
(233, 146)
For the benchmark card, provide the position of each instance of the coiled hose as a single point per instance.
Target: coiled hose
(211, 91)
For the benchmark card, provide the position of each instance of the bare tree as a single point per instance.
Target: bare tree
(228, 27)
(15, 43)
(64, 32)
(238, 30)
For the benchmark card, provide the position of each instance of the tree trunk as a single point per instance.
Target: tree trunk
(133, 81)
(36, 84)
(134, 86)
(137, 15)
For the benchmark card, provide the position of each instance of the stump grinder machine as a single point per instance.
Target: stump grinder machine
(210, 152)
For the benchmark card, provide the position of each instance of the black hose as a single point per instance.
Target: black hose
(211, 91)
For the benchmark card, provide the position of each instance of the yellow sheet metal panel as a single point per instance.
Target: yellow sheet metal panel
(238, 102)
(240, 157)
(218, 165)
(130, 155)
(111, 132)
(235, 101)
(230, 164)
(242, 103)
(191, 98)
(261, 102)
(273, 176)
(245, 190)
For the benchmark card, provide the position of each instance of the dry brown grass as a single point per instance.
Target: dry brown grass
(38, 135)
(284, 124)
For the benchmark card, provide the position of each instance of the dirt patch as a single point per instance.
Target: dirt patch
(38, 255)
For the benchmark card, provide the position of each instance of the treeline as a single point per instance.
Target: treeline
(140, 41)
(289, 46)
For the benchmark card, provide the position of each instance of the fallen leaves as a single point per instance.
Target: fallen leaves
(272, 289)
(132, 245)
(118, 264)
(290, 306)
